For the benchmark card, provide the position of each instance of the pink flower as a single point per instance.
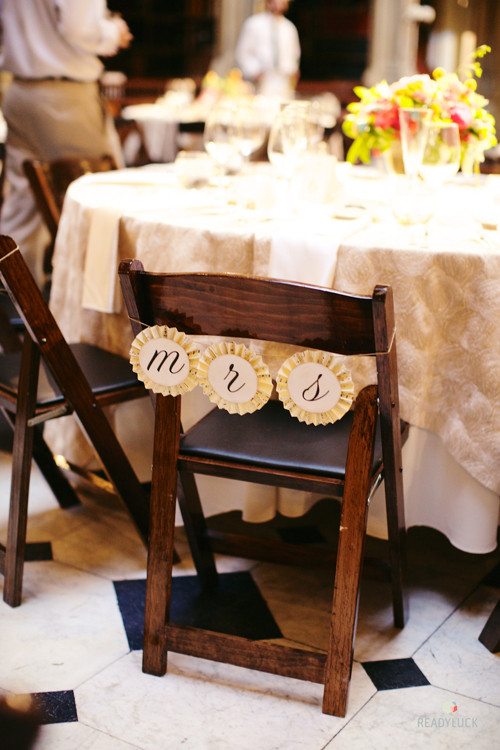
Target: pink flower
(387, 118)
(461, 114)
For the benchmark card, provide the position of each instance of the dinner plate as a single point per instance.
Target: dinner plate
(349, 211)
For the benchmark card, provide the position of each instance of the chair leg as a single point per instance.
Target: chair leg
(161, 535)
(397, 545)
(196, 529)
(21, 473)
(350, 552)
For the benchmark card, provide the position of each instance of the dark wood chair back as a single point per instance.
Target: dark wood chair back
(346, 458)
(49, 181)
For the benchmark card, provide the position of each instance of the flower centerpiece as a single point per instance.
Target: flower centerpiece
(215, 87)
(373, 122)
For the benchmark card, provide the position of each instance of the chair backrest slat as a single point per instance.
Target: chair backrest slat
(258, 308)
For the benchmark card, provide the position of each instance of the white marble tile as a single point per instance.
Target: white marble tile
(76, 736)
(454, 658)
(377, 638)
(67, 628)
(203, 705)
(106, 545)
(417, 718)
(41, 498)
(301, 599)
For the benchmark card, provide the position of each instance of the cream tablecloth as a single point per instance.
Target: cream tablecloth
(160, 124)
(446, 298)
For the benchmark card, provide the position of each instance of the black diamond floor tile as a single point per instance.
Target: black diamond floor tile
(236, 607)
(391, 674)
(56, 707)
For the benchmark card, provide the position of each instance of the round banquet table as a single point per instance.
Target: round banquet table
(160, 125)
(445, 286)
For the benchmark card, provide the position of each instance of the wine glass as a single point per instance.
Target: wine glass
(413, 128)
(441, 155)
(300, 132)
(275, 150)
(220, 136)
(412, 206)
(251, 128)
(293, 134)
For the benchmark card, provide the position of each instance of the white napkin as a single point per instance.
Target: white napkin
(311, 259)
(100, 279)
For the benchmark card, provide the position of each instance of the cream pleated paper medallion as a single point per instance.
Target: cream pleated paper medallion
(165, 359)
(234, 377)
(314, 387)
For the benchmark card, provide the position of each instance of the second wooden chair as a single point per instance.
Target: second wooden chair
(51, 379)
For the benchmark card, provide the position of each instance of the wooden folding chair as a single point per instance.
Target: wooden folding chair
(49, 181)
(269, 446)
(79, 379)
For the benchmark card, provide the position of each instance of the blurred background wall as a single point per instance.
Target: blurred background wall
(343, 40)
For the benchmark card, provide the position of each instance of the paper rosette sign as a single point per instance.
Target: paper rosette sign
(234, 377)
(314, 387)
(165, 359)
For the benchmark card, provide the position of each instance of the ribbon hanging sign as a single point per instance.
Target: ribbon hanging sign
(234, 378)
(314, 387)
(165, 359)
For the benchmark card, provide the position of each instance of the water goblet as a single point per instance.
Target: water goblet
(251, 128)
(220, 136)
(412, 206)
(441, 155)
(300, 132)
(413, 129)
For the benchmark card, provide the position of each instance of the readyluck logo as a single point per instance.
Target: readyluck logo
(449, 721)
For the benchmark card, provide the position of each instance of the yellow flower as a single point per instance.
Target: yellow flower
(438, 73)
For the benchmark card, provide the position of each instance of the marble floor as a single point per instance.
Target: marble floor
(74, 646)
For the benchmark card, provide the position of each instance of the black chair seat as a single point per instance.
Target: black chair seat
(105, 372)
(10, 312)
(274, 439)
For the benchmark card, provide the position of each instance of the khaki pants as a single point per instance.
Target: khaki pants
(47, 120)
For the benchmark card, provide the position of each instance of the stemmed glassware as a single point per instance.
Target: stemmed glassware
(440, 162)
(441, 156)
(220, 136)
(251, 128)
(413, 128)
(293, 135)
(411, 203)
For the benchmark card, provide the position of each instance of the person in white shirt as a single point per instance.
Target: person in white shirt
(268, 50)
(53, 107)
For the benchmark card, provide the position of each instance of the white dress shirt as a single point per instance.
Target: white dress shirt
(56, 38)
(268, 49)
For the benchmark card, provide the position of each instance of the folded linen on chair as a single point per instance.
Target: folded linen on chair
(100, 277)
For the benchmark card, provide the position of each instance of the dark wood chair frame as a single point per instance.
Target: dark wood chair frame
(288, 313)
(49, 181)
(43, 340)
